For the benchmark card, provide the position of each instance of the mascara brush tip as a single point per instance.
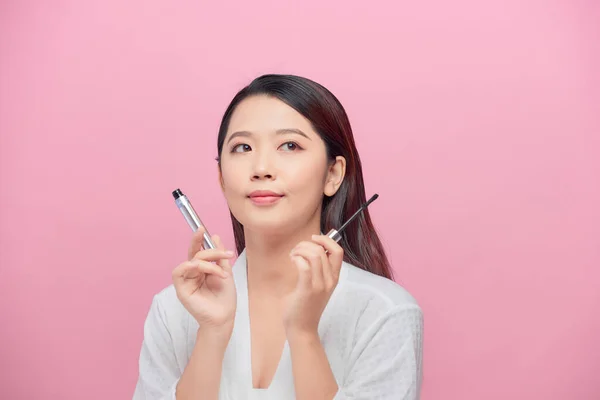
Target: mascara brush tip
(372, 199)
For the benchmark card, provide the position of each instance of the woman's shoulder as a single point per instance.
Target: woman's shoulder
(167, 306)
(366, 304)
(361, 286)
(167, 296)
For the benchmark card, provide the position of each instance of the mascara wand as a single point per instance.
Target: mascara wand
(336, 234)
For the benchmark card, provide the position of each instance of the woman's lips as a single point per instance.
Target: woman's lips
(264, 197)
(265, 200)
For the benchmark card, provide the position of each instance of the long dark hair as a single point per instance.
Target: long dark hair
(360, 242)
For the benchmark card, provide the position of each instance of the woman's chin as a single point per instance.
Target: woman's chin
(268, 227)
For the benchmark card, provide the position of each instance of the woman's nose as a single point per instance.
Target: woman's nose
(259, 176)
(263, 167)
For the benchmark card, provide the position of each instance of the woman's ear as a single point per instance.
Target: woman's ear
(335, 176)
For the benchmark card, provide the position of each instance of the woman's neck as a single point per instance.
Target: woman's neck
(270, 269)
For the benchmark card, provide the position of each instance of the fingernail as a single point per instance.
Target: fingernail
(229, 253)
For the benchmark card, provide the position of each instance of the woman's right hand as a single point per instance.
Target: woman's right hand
(207, 289)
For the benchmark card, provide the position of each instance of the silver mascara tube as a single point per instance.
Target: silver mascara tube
(191, 217)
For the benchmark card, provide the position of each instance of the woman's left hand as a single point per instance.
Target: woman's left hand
(318, 274)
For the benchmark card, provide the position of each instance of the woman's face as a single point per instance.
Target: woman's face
(274, 167)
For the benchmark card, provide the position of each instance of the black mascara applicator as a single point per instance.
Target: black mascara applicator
(336, 234)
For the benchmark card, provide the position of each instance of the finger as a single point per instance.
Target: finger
(196, 268)
(212, 255)
(329, 262)
(197, 242)
(304, 273)
(326, 268)
(183, 270)
(328, 277)
(314, 255)
(223, 262)
(335, 252)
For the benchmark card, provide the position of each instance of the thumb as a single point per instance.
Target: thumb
(224, 262)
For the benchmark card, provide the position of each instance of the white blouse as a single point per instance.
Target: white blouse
(371, 330)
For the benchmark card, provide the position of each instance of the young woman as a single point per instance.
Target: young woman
(297, 315)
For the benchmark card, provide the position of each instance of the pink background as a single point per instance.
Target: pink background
(478, 123)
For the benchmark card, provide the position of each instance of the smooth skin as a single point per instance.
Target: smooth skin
(292, 268)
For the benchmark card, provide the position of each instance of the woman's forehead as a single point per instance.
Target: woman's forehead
(266, 115)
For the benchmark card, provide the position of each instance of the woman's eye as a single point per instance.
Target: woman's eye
(241, 148)
(290, 146)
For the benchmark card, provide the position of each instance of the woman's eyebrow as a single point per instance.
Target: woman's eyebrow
(239, 134)
(285, 131)
(292, 131)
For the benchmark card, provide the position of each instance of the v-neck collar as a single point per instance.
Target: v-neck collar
(239, 354)
(282, 381)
